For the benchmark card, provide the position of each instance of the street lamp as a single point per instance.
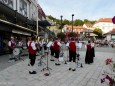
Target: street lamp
(72, 22)
(61, 22)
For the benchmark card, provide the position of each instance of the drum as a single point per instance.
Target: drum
(17, 51)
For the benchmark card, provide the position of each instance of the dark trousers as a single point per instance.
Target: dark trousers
(10, 50)
(52, 52)
(57, 53)
(72, 56)
(32, 59)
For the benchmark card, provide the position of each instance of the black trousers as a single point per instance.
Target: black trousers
(57, 53)
(52, 52)
(10, 50)
(32, 59)
(72, 56)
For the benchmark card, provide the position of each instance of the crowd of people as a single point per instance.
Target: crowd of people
(34, 46)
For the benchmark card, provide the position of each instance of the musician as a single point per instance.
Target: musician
(52, 51)
(88, 57)
(72, 55)
(28, 43)
(93, 50)
(11, 45)
(32, 51)
(57, 46)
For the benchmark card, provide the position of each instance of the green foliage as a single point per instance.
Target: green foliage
(86, 21)
(72, 34)
(61, 35)
(78, 22)
(98, 32)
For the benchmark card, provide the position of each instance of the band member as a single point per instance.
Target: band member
(88, 56)
(41, 45)
(72, 57)
(32, 52)
(52, 51)
(28, 43)
(11, 45)
(57, 46)
(93, 50)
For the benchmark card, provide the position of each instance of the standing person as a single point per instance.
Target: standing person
(72, 57)
(11, 45)
(52, 51)
(57, 46)
(32, 52)
(41, 45)
(93, 51)
(88, 56)
(28, 43)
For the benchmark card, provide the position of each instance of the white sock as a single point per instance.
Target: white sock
(74, 65)
(31, 69)
(70, 64)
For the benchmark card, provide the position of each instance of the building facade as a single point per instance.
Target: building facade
(105, 24)
(18, 18)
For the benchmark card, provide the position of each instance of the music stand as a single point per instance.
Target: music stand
(47, 65)
(79, 65)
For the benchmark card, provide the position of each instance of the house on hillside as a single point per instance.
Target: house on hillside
(110, 35)
(105, 24)
(77, 29)
(88, 26)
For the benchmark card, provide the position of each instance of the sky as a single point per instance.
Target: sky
(82, 9)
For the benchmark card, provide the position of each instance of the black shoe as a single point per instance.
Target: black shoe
(69, 68)
(57, 64)
(28, 64)
(34, 72)
(73, 69)
(51, 59)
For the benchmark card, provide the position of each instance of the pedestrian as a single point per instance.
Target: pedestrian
(52, 50)
(92, 50)
(11, 46)
(57, 46)
(32, 52)
(88, 56)
(29, 40)
(72, 55)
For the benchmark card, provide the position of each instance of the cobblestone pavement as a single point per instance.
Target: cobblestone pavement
(89, 75)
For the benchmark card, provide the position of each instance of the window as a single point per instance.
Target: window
(9, 3)
(23, 7)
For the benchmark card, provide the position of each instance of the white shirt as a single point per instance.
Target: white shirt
(59, 43)
(92, 44)
(33, 45)
(9, 43)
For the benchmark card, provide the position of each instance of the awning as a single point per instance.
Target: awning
(21, 32)
(44, 23)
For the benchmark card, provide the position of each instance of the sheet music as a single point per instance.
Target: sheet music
(49, 44)
(79, 45)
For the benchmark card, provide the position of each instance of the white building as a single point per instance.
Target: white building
(88, 26)
(105, 24)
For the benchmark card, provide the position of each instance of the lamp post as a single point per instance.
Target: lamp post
(37, 23)
(61, 22)
(72, 22)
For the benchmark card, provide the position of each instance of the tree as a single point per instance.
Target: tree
(78, 22)
(98, 32)
(61, 35)
(66, 22)
(72, 34)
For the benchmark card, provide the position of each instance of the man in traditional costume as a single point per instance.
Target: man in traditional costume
(72, 55)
